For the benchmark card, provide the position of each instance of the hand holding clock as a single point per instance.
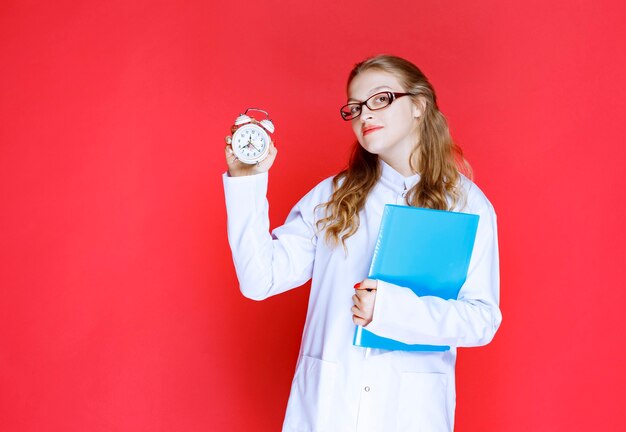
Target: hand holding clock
(237, 168)
(250, 150)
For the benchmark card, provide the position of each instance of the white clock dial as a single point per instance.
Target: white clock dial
(250, 143)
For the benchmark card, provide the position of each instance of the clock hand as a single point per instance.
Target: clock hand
(248, 144)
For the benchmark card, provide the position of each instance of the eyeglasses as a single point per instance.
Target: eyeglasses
(375, 102)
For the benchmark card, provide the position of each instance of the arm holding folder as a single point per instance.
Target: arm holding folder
(469, 320)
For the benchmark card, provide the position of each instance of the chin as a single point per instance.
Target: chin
(373, 147)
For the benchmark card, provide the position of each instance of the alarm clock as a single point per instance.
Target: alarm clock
(251, 138)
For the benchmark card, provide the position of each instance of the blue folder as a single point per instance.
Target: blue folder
(427, 251)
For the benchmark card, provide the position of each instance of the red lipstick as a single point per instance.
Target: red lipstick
(369, 129)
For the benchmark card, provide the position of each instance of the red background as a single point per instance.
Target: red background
(120, 309)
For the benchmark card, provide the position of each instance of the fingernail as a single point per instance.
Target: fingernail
(357, 285)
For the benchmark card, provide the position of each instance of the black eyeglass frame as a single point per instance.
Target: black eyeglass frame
(392, 97)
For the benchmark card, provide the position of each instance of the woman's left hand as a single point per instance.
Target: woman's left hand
(364, 300)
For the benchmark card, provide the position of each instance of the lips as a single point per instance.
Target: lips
(369, 129)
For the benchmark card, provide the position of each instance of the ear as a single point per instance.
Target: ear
(419, 107)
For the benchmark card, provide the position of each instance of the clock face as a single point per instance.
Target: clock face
(250, 143)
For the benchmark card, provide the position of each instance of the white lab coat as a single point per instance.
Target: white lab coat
(337, 386)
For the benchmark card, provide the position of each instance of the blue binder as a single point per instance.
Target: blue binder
(427, 251)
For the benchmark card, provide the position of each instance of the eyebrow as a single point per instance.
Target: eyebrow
(373, 92)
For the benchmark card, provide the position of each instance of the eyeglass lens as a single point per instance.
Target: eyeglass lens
(374, 102)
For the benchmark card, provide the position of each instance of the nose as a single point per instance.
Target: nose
(366, 113)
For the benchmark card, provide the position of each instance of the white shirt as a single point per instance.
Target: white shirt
(337, 386)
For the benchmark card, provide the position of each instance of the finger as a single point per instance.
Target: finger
(230, 155)
(370, 283)
(367, 284)
(273, 151)
(356, 311)
(363, 289)
(358, 321)
(364, 295)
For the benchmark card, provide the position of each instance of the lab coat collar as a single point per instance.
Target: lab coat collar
(394, 180)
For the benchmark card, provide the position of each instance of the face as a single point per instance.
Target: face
(391, 132)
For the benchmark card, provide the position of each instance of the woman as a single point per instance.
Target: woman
(403, 155)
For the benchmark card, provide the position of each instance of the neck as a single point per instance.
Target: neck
(400, 163)
(399, 155)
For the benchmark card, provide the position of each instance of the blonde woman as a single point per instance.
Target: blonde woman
(403, 155)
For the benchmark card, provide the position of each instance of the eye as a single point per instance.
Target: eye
(381, 99)
(355, 109)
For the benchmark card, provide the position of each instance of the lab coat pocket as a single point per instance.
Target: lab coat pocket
(311, 395)
(422, 402)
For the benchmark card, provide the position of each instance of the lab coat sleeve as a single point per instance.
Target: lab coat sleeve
(470, 320)
(266, 264)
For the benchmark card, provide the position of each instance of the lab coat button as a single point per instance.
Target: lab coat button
(367, 388)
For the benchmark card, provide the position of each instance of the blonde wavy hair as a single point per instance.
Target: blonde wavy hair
(435, 157)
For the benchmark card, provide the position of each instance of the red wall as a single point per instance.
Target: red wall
(120, 309)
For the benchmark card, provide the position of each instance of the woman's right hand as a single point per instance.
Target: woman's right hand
(236, 168)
